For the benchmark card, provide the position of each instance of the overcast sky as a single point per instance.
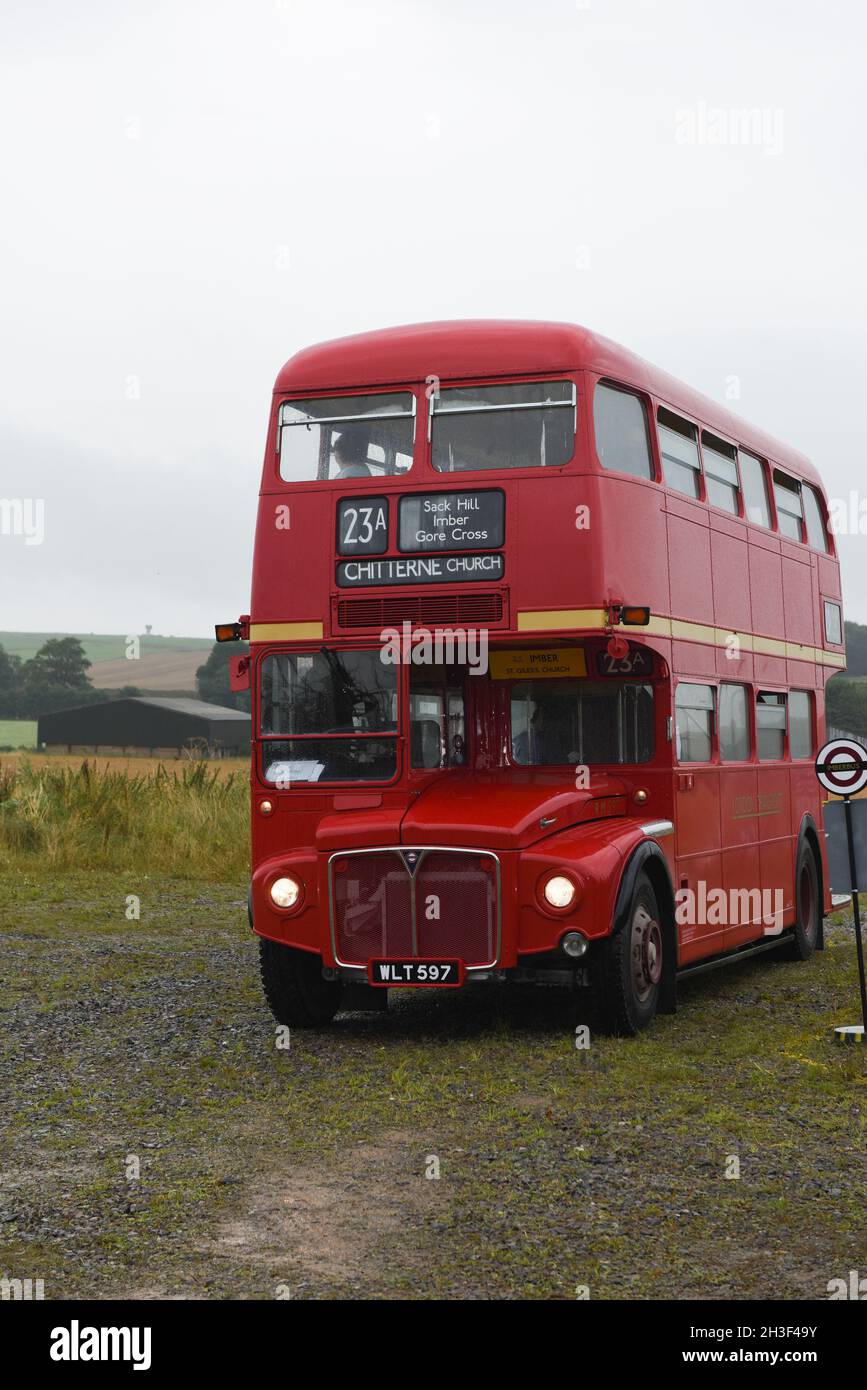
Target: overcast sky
(193, 190)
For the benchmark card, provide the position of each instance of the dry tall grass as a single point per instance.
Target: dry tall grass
(192, 820)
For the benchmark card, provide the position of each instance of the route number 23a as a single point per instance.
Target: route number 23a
(363, 526)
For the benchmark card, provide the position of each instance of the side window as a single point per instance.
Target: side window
(833, 623)
(694, 705)
(770, 725)
(678, 446)
(817, 536)
(734, 725)
(755, 488)
(720, 473)
(620, 423)
(787, 495)
(800, 724)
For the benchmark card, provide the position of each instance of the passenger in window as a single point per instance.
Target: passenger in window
(350, 451)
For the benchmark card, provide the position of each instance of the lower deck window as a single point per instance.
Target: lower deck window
(800, 724)
(770, 725)
(437, 725)
(734, 724)
(694, 704)
(581, 722)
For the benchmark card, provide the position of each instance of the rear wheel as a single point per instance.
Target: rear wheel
(808, 907)
(632, 966)
(294, 988)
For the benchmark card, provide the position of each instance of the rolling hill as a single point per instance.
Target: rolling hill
(165, 663)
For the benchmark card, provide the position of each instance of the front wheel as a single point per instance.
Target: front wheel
(294, 988)
(632, 965)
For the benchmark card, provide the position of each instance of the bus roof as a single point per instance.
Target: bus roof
(464, 349)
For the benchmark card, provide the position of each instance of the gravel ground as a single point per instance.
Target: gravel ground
(158, 1142)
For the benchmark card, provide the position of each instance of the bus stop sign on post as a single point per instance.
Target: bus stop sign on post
(841, 767)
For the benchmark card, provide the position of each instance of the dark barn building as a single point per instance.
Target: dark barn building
(147, 725)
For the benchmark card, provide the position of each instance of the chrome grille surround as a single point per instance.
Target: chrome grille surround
(421, 853)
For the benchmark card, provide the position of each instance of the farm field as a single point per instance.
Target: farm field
(101, 646)
(301, 1171)
(152, 672)
(18, 733)
(165, 663)
(129, 766)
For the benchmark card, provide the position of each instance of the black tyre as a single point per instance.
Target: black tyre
(631, 967)
(808, 906)
(294, 988)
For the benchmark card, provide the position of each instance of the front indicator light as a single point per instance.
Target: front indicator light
(285, 892)
(559, 892)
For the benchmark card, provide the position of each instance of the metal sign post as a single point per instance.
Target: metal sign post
(841, 767)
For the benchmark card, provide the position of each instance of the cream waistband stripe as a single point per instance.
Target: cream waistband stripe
(548, 620)
(285, 632)
(558, 619)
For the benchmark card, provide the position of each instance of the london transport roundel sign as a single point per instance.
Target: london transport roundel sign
(841, 766)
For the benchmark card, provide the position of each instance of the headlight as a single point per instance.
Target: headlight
(559, 891)
(285, 892)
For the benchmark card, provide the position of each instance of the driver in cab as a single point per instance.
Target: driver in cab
(547, 739)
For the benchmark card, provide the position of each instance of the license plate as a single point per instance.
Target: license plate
(418, 973)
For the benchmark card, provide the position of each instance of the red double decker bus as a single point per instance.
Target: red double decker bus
(539, 639)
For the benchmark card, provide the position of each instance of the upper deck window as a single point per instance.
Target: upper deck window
(620, 422)
(346, 437)
(720, 473)
(787, 495)
(817, 536)
(756, 503)
(678, 446)
(525, 425)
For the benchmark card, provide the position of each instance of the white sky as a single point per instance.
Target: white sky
(192, 191)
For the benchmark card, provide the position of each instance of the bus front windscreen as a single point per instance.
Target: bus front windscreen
(328, 716)
(581, 722)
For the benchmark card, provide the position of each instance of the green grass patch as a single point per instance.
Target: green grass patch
(18, 733)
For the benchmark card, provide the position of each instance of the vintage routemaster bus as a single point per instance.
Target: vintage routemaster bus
(539, 639)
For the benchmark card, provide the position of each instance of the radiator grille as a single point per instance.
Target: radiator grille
(428, 610)
(448, 907)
